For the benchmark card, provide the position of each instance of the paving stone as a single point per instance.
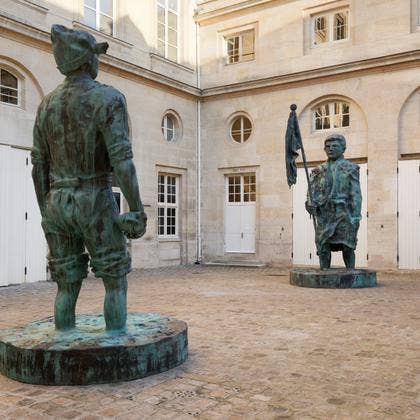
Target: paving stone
(259, 349)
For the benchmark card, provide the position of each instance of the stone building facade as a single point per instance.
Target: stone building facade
(208, 86)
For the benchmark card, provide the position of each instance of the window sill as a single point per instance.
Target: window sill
(239, 62)
(163, 239)
(330, 44)
(330, 130)
(79, 25)
(162, 59)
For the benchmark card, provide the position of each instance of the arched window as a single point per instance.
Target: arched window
(241, 129)
(171, 126)
(335, 114)
(8, 88)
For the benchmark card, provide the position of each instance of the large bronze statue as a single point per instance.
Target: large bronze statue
(80, 140)
(335, 203)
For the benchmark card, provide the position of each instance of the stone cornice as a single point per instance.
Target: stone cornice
(393, 62)
(21, 30)
(14, 28)
(203, 16)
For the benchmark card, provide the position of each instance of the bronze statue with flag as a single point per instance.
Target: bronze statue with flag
(334, 196)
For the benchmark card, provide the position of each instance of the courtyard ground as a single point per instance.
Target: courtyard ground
(258, 348)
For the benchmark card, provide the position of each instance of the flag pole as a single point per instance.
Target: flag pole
(293, 108)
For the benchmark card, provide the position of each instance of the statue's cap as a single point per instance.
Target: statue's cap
(74, 48)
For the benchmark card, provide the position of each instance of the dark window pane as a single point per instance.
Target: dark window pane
(8, 80)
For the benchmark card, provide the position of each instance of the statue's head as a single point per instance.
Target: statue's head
(76, 50)
(335, 146)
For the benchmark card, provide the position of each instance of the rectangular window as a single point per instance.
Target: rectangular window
(241, 188)
(168, 197)
(240, 47)
(99, 14)
(167, 28)
(330, 27)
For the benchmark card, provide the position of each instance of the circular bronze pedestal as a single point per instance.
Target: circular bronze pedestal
(333, 278)
(38, 354)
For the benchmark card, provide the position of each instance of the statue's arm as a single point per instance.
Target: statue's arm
(125, 172)
(115, 133)
(355, 194)
(41, 166)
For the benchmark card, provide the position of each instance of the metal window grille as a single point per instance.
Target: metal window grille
(99, 14)
(167, 28)
(9, 92)
(168, 205)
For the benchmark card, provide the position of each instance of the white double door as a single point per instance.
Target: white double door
(304, 249)
(240, 213)
(23, 248)
(409, 214)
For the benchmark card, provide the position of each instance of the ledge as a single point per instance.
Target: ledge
(14, 27)
(158, 57)
(202, 15)
(34, 6)
(95, 32)
(384, 63)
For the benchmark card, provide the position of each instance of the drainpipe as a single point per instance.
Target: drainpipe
(198, 147)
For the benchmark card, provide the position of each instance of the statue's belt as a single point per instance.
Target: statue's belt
(78, 182)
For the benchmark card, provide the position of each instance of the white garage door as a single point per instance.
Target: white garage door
(409, 214)
(304, 249)
(23, 248)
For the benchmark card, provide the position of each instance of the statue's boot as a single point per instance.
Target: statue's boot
(115, 303)
(325, 260)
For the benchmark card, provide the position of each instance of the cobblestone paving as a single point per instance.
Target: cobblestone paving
(259, 348)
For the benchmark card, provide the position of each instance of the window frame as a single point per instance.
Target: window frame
(331, 116)
(232, 121)
(252, 194)
(165, 205)
(18, 89)
(177, 128)
(166, 27)
(418, 14)
(240, 54)
(98, 14)
(329, 15)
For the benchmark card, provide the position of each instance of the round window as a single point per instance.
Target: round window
(241, 129)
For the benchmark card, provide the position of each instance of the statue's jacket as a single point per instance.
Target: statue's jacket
(336, 193)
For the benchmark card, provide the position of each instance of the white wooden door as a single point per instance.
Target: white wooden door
(23, 247)
(240, 213)
(304, 249)
(36, 248)
(409, 214)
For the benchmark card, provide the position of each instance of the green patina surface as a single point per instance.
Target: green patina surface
(81, 140)
(336, 203)
(333, 278)
(38, 353)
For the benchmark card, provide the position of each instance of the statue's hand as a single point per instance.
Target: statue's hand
(311, 208)
(133, 224)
